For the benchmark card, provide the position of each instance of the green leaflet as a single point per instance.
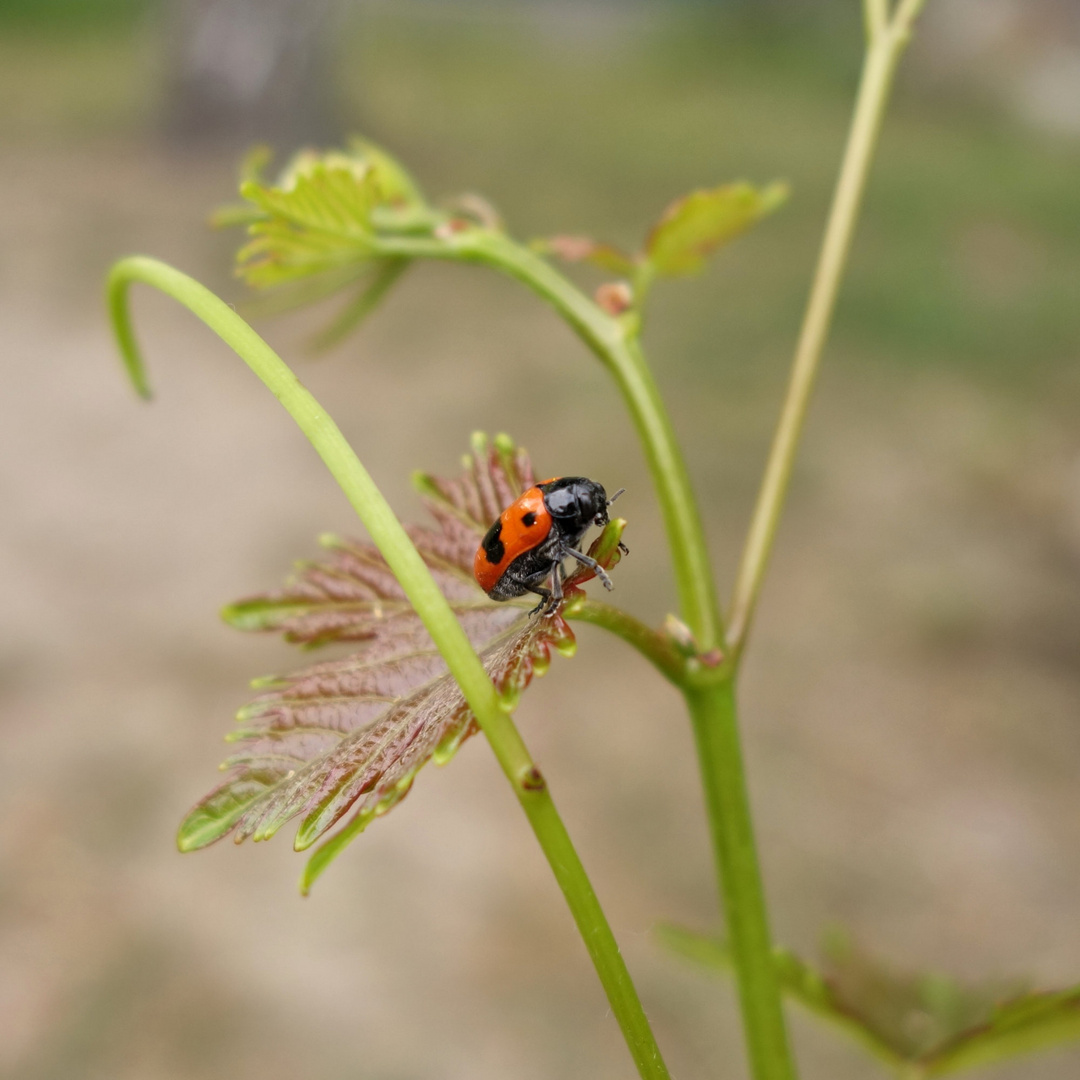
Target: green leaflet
(314, 231)
(696, 225)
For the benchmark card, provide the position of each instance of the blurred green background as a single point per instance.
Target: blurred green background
(911, 699)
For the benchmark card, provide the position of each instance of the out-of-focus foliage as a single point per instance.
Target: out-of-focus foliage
(323, 213)
(696, 225)
(314, 230)
(71, 15)
(691, 229)
(922, 1024)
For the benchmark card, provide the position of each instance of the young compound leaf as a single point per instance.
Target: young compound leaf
(693, 227)
(397, 188)
(348, 736)
(316, 229)
(321, 221)
(924, 1025)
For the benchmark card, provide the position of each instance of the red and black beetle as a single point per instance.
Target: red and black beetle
(535, 533)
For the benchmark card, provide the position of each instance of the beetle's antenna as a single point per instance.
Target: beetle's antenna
(621, 491)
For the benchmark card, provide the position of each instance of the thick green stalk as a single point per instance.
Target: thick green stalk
(420, 588)
(716, 732)
(887, 38)
(713, 710)
(614, 342)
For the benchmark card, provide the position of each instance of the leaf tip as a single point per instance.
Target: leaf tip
(774, 195)
(566, 646)
(250, 189)
(237, 615)
(479, 443)
(424, 484)
(185, 843)
(198, 830)
(262, 682)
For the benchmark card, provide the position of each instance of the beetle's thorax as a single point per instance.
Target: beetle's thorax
(574, 503)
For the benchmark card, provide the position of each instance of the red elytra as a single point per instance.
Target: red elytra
(523, 526)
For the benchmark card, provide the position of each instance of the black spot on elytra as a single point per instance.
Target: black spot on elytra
(529, 520)
(494, 548)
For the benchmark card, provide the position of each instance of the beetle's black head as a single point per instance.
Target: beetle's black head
(575, 503)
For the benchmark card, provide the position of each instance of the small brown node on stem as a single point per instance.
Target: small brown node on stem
(448, 228)
(533, 779)
(572, 248)
(615, 297)
(478, 209)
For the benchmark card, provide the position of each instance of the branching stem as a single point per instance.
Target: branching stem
(876, 17)
(615, 342)
(408, 567)
(712, 707)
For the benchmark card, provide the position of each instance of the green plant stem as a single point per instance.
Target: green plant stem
(876, 17)
(887, 38)
(654, 646)
(715, 722)
(615, 342)
(420, 588)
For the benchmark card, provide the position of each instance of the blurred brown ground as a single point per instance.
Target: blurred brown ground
(912, 696)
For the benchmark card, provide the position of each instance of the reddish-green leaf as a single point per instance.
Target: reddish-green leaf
(693, 227)
(1022, 1025)
(923, 1024)
(346, 738)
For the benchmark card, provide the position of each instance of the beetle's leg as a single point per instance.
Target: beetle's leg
(556, 586)
(544, 594)
(593, 565)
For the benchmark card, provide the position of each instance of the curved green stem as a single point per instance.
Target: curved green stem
(887, 41)
(655, 647)
(420, 588)
(615, 343)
